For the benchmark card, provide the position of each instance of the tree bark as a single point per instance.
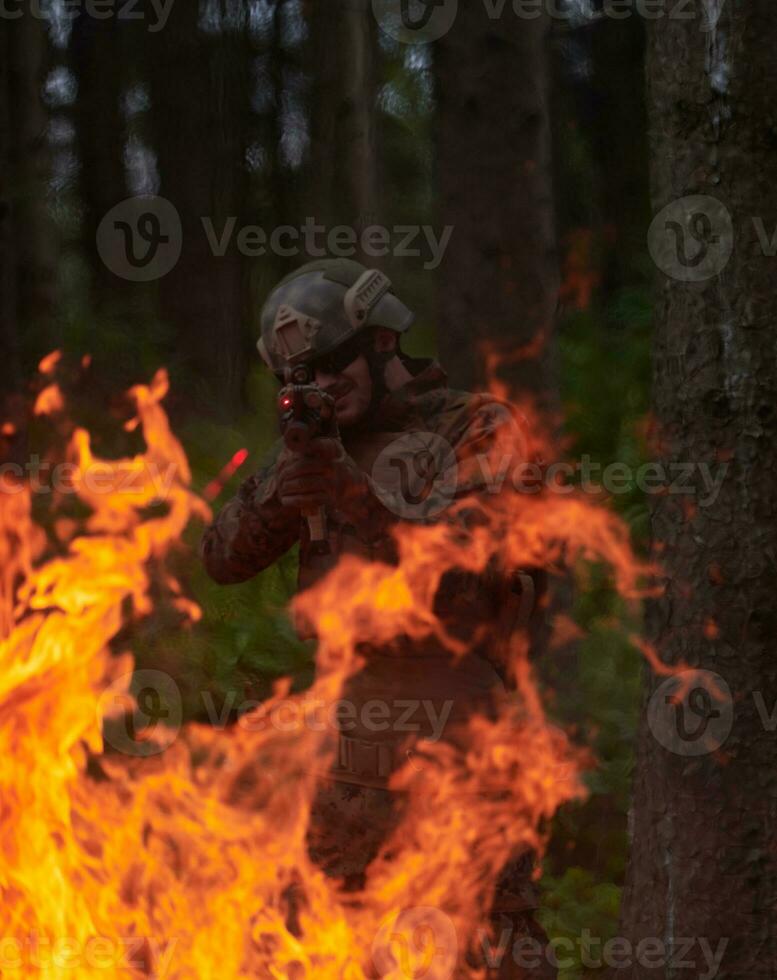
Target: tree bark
(343, 159)
(9, 327)
(97, 50)
(499, 277)
(498, 282)
(703, 861)
(200, 116)
(618, 126)
(26, 230)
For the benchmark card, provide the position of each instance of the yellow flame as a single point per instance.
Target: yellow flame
(180, 864)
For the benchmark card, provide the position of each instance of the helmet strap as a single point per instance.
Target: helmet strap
(377, 361)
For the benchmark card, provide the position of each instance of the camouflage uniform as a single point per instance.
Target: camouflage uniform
(354, 811)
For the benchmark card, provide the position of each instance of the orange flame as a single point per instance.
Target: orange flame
(580, 279)
(48, 364)
(49, 401)
(179, 863)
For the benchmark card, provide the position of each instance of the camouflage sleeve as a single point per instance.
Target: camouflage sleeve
(252, 531)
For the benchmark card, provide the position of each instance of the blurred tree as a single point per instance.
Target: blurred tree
(280, 128)
(27, 243)
(200, 70)
(499, 279)
(617, 124)
(703, 862)
(602, 178)
(343, 153)
(97, 52)
(9, 326)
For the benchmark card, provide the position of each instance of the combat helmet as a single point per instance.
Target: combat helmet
(322, 306)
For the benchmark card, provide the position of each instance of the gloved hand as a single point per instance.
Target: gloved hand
(324, 476)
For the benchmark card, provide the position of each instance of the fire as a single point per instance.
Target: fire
(48, 364)
(580, 278)
(188, 857)
(49, 401)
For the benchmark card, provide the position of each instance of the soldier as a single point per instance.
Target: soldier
(343, 323)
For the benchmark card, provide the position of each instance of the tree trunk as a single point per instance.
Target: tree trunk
(9, 327)
(343, 164)
(98, 57)
(280, 70)
(703, 861)
(200, 112)
(499, 277)
(27, 232)
(498, 282)
(618, 127)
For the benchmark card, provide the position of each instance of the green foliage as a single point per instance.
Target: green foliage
(241, 646)
(245, 640)
(605, 385)
(575, 906)
(602, 706)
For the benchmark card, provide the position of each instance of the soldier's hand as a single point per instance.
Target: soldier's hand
(325, 475)
(302, 479)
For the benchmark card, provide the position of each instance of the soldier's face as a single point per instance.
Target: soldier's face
(351, 389)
